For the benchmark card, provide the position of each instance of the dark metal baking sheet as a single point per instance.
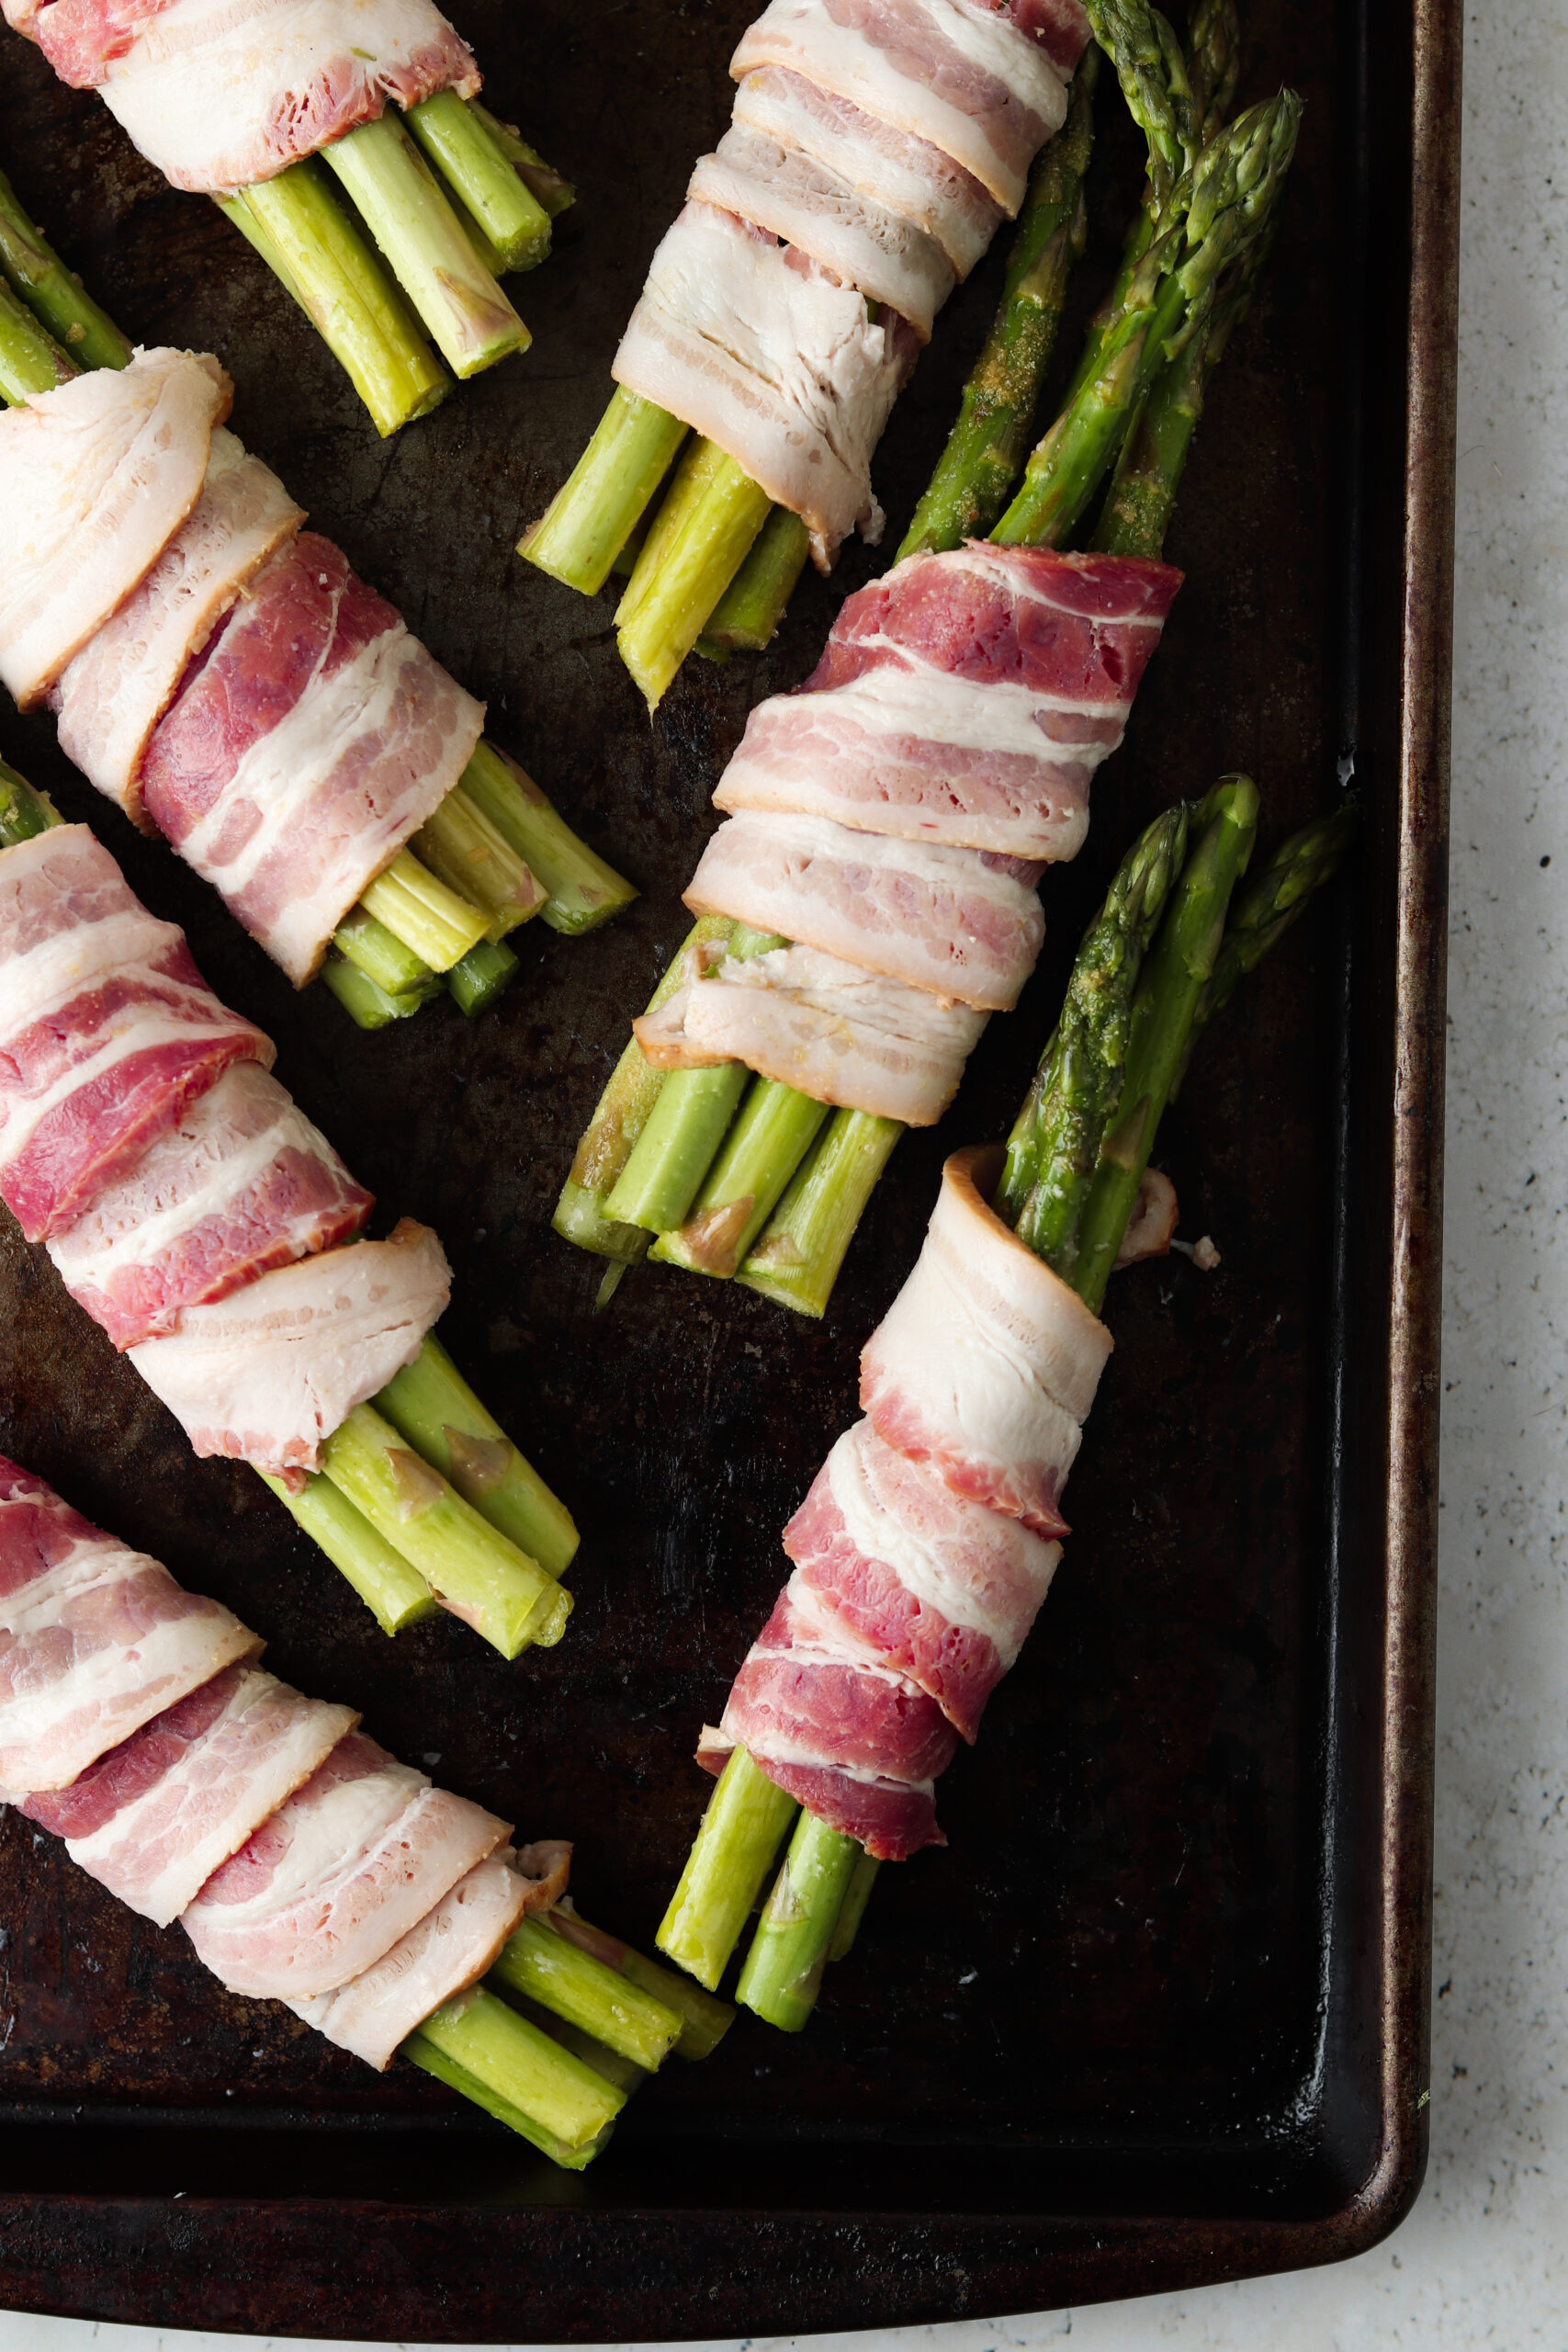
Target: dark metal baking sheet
(1158, 2015)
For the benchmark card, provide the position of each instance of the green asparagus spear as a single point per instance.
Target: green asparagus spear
(431, 1405)
(742, 1830)
(52, 293)
(598, 506)
(24, 810)
(782, 1972)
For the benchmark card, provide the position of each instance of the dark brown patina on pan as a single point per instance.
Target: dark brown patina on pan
(1158, 2015)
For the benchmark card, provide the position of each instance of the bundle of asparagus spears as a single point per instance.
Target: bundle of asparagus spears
(493, 855)
(729, 1174)
(1174, 939)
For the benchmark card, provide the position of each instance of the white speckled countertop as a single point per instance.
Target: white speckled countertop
(1484, 2260)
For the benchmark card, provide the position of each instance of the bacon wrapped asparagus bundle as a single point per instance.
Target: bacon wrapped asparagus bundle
(874, 153)
(222, 675)
(928, 1542)
(284, 120)
(870, 898)
(306, 1864)
(217, 1238)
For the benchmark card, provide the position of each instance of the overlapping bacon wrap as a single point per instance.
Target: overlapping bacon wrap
(222, 676)
(302, 1858)
(220, 93)
(195, 1213)
(928, 1540)
(876, 145)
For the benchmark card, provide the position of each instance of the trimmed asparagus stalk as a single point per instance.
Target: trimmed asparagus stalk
(479, 978)
(702, 534)
(624, 2072)
(434, 920)
(30, 359)
(431, 1405)
(573, 1984)
(783, 1972)
(581, 890)
(25, 812)
(461, 847)
(603, 499)
(975, 473)
(298, 225)
(381, 955)
(521, 2066)
(741, 1831)
(705, 2022)
(796, 1261)
(395, 1593)
(367, 1004)
(469, 1565)
(482, 175)
(52, 293)
(424, 2053)
(555, 194)
(468, 318)
(851, 1911)
(775, 1128)
(747, 617)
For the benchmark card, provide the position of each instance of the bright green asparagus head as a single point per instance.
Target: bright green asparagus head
(1152, 71)
(1231, 196)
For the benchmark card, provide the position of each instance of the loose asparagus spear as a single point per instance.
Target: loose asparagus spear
(52, 293)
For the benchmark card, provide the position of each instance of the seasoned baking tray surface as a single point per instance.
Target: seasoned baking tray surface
(1158, 2014)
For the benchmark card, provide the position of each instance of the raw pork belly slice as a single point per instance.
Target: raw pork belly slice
(928, 1582)
(155, 1818)
(220, 93)
(963, 77)
(911, 179)
(814, 206)
(95, 1639)
(107, 1031)
(953, 921)
(119, 686)
(965, 698)
(337, 1876)
(266, 1374)
(762, 350)
(241, 1185)
(95, 478)
(448, 1950)
(835, 1032)
(313, 737)
(986, 1363)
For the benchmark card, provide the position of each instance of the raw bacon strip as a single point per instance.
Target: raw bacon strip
(838, 1034)
(450, 1949)
(910, 178)
(155, 1818)
(118, 686)
(240, 1185)
(266, 1374)
(816, 208)
(95, 478)
(987, 1364)
(313, 737)
(963, 77)
(218, 93)
(927, 1582)
(107, 1031)
(953, 921)
(337, 1877)
(762, 350)
(95, 1639)
(965, 698)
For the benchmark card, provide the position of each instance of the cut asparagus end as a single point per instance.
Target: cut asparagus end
(482, 977)
(581, 890)
(301, 231)
(424, 912)
(30, 360)
(783, 1972)
(747, 617)
(580, 1218)
(25, 812)
(367, 1004)
(479, 172)
(462, 848)
(521, 2065)
(796, 1261)
(705, 2020)
(469, 319)
(741, 1831)
(55, 297)
(381, 956)
(395, 1593)
(470, 1567)
(424, 2054)
(703, 535)
(603, 499)
(573, 1984)
(774, 1129)
(555, 194)
(852, 1910)
(677, 1147)
(432, 1405)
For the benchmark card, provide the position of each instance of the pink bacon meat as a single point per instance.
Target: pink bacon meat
(311, 738)
(241, 1183)
(95, 1639)
(965, 698)
(107, 1031)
